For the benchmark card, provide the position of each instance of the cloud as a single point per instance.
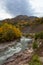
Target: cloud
(3, 13)
(25, 7)
(37, 5)
(12, 8)
(19, 7)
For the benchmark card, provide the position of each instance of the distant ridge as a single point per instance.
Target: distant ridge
(20, 18)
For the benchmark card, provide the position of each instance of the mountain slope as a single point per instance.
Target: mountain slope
(20, 18)
(27, 23)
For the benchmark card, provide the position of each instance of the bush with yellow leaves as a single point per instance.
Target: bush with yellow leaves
(9, 32)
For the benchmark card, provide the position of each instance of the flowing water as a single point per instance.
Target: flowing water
(10, 51)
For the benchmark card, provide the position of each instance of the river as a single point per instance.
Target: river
(16, 48)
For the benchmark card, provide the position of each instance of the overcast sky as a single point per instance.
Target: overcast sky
(12, 8)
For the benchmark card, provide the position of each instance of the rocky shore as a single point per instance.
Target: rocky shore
(7, 44)
(21, 58)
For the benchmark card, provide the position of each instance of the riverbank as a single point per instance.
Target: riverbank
(20, 58)
(7, 44)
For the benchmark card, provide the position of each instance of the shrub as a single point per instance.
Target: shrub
(9, 32)
(35, 60)
(39, 35)
(35, 45)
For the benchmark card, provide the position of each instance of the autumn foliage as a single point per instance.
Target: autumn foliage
(9, 32)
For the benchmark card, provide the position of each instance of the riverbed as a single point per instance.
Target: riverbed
(12, 48)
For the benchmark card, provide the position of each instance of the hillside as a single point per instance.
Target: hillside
(20, 18)
(35, 29)
(26, 23)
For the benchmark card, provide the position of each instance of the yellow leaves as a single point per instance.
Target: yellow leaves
(1, 29)
(17, 32)
(9, 32)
